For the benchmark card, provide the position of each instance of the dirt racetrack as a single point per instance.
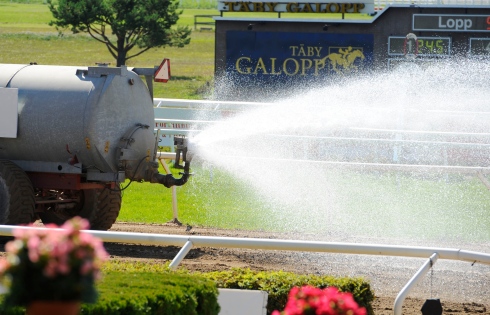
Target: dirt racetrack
(462, 287)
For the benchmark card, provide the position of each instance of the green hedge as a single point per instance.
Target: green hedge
(278, 284)
(156, 290)
(136, 293)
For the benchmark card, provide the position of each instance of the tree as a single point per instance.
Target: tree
(123, 24)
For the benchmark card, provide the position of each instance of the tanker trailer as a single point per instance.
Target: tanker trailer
(69, 136)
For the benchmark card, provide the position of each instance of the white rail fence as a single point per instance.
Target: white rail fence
(188, 242)
(186, 117)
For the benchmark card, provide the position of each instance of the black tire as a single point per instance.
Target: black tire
(99, 207)
(16, 195)
(107, 210)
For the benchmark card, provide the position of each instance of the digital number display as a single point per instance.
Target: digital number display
(451, 23)
(480, 46)
(424, 46)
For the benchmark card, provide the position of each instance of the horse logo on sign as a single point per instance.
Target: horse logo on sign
(345, 59)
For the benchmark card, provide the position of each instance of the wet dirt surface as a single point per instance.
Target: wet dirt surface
(462, 287)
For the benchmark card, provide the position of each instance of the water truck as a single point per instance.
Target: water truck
(70, 137)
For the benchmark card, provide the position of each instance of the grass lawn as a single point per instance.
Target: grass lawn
(210, 198)
(26, 36)
(386, 205)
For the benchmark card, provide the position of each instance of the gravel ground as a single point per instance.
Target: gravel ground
(462, 287)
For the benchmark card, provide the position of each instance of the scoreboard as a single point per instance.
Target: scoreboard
(421, 46)
(286, 53)
(427, 48)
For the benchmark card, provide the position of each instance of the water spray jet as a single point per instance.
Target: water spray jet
(344, 133)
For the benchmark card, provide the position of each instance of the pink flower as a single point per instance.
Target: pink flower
(86, 267)
(311, 300)
(13, 247)
(33, 256)
(80, 253)
(50, 269)
(61, 248)
(63, 268)
(33, 248)
(56, 251)
(75, 225)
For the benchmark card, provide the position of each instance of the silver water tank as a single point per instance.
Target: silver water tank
(84, 112)
(69, 136)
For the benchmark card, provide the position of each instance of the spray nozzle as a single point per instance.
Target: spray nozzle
(181, 143)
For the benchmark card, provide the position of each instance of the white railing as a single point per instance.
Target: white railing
(184, 116)
(205, 104)
(187, 242)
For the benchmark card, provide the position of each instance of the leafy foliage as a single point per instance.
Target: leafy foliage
(135, 293)
(147, 293)
(143, 288)
(123, 25)
(278, 284)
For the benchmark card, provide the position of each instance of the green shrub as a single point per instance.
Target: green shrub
(278, 284)
(155, 293)
(153, 289)
(135, 293)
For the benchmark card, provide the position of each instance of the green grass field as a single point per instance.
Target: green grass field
(385, 205)
(364, 204)
(25, 36)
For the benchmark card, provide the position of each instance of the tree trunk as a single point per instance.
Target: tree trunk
(121, 52)
(121, 59)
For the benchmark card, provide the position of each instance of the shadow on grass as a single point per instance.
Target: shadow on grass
(186, 78)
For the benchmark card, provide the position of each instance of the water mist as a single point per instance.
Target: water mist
(326, 161)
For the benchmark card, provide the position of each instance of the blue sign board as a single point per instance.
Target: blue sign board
(273, 57)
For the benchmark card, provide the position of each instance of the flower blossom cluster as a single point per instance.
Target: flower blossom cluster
(57, 251)
(309, 300)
